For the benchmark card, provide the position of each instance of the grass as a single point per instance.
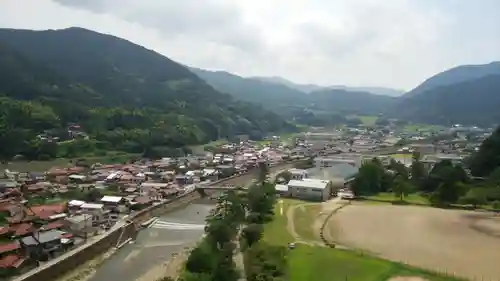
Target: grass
(275, 232)
(326, 264)
(200, 149)
(304, 216)
(368, 120)
(42, 166)
(316, 263)
(413, 198)
(421, 127)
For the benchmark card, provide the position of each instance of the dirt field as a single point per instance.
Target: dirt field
(461, 243)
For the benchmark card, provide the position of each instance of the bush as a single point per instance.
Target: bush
(44, 157)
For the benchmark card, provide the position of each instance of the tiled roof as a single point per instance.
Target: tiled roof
(21, 229)
(5, 248)
(10, 261)
(53, 225)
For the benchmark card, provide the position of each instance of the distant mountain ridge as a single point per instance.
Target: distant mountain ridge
(468, 94)
(250, 89)
(473, 102)
(307, 88)
(284, 97)
(456, 75)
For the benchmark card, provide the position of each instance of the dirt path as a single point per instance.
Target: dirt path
(290, 217)
(238, 260)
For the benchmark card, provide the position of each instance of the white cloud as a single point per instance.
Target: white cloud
(395, 43)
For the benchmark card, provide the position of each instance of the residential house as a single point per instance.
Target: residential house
(11, 257)
(97, 211)
(47, 243)
(78, 178)
(116, 203)
(80, 224)
(298, 174)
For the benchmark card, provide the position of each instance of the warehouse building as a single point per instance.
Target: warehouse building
(310, 189)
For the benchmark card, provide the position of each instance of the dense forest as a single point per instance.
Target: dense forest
(319, 107)
(475, 183)
(466, 95)
(473, 102)
(109, 94)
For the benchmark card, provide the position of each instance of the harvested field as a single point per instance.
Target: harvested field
(460, 243)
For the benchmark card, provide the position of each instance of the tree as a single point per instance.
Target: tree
(399, 168)
(401, 188)
(417, 171)
(475, 196)
(200, 260)
(448, 192)
(261, 200)
(486, 160)
(368, 179)
(494, 177)
(190, 276)
(252, 233)
(284, 177)
(263, 172)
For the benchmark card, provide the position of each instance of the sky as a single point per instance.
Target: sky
(391, 43)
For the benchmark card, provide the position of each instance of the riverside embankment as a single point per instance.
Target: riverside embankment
(127, 230)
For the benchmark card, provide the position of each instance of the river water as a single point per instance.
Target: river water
(154, 245)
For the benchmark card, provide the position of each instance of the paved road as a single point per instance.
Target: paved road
(170, 234)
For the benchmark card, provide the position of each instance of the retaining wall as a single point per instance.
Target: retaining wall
(80, 255)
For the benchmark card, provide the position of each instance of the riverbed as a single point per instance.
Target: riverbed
(170, 234)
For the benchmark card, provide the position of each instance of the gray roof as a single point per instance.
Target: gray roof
(43, 237)
(309, 183)
(281, 187)
(79, 218)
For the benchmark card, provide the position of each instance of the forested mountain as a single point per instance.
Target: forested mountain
(316, 108)
(348, 102)
(372, 90)
(125, 97)
(474, 102)
(273, 95)
(456, 75)
(307, 88)
(484, 162)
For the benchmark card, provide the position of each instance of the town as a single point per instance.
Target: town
(47, 214)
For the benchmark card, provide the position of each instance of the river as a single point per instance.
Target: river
(154, 245)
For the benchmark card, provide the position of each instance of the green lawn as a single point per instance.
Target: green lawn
(42, 166)
(326, 264)
(368, 120)
(275, 232)
(303, 219)
(413, 198)
(421, 127)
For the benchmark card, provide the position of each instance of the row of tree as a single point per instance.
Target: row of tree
(262, 260)
(240, 215)
(444, 184)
